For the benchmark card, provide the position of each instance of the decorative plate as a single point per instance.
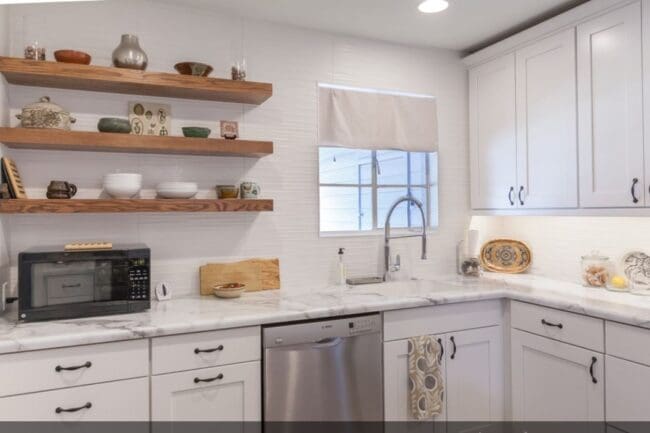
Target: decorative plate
(637, 269)
(506, 256)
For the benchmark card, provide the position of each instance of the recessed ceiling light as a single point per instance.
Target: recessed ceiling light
(433, 6)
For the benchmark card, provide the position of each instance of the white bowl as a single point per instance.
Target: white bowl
(123, 178)
(177, 189)
(122, 191)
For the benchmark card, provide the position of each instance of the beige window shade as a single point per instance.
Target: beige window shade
(372, 120)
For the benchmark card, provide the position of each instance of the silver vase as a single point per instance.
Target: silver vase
(129, 54)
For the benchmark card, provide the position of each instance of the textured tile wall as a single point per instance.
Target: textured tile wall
(294, 60)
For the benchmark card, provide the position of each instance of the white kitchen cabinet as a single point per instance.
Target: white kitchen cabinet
(474, 386)
(555, 381)
(628, 391)
(610, 110)
(230, 393)
(547, 148)
(493, 139)
(121, 401)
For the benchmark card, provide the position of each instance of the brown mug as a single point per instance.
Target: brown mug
(60, 189)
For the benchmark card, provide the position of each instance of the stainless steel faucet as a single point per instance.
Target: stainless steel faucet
(389, 266)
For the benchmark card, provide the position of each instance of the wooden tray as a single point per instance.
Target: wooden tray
(506, 256)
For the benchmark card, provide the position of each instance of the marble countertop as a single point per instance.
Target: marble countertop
(196, 314)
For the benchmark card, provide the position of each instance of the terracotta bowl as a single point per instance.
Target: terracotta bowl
(72, 56)
(193, 68)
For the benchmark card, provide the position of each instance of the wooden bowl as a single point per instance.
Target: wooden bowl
(193, 68)
(72, 56)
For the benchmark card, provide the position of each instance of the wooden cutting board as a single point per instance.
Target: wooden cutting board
(257, 274)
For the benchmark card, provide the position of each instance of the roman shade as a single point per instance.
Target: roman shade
(375, 120)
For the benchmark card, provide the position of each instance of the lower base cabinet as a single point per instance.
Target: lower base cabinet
(472, 366)
(554, 381)
(121, 401)
(231, 393)
(628, 394)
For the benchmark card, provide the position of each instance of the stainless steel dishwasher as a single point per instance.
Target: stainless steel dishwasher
(324, 371)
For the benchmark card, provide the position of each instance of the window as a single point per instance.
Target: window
(358, 187)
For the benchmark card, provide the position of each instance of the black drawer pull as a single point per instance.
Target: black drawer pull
(442, 349)
(59, 369)
(453, 342)
(591, 369)
(216, 349)
(76, 409)
(552, 325)
(219, 377)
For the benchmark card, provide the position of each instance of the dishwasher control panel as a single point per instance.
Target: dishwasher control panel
(363, 325)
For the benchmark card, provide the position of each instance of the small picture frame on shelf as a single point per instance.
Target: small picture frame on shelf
(150, 119)
(229, 129)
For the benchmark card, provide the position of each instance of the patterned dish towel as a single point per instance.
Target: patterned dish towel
(426, 387)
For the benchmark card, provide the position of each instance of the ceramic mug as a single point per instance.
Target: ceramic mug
(250, 190)
(60, 189)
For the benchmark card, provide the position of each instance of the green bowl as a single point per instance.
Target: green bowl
(196, 132)
(113, 124)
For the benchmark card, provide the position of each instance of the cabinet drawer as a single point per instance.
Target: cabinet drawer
(43, 370)
(232, 393)
(628, 342)
(402, 324)
(126, 400)
(583, 331)
(205, 349)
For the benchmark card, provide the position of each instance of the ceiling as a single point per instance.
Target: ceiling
(467, 25)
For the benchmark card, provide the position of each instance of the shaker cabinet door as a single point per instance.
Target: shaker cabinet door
(230, 393)
(554, 381)
(610, 110)
(493, 141)
(547, 145)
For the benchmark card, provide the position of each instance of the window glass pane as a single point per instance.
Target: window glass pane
(345, 166)
(393, 167)
(433, 168)
(405, 216)
(419, 168)
(345, 209)
(433, 193)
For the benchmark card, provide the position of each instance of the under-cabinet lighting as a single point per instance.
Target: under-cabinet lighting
(433, 6)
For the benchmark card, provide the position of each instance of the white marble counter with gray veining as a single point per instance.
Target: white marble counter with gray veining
(195, 314)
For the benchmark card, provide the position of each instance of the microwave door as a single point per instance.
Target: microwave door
(62, 283)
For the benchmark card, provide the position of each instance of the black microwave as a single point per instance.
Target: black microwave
(56, 284)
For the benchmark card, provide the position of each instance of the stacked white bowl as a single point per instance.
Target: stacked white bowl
(177, 189)
(123, 185)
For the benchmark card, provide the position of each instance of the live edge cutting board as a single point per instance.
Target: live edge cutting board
(257, 274)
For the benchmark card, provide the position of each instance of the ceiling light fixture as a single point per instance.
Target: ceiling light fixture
(433, 6)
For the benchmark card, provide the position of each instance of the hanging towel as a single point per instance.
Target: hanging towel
(426, 387)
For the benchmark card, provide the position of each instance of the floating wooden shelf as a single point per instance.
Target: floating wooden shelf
(126, 81)
(135, 205)
(52, 139)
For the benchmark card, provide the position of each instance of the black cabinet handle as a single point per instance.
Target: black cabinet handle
(59, 369)
(453, 342)
(75, 409)
(442, 349)
(216, 349)
(219, 377)
(591, 369)
(552, 325)
(635, 181)
(512, 200)
(521, 200)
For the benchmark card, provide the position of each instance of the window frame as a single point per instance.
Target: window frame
(430, 184)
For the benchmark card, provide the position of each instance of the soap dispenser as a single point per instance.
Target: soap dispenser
(343, 272)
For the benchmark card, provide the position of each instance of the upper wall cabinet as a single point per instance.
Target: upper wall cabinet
(523, 128)
(547, 149)
(493, 141)
(611, 110)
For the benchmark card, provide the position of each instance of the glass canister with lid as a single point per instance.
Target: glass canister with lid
(596, 270)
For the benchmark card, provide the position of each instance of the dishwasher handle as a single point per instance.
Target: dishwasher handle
(326, 343)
